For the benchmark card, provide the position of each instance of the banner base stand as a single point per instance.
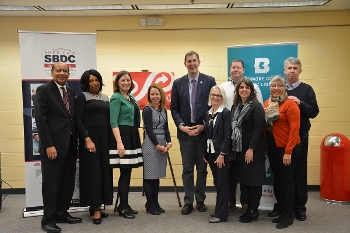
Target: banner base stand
(35, 213)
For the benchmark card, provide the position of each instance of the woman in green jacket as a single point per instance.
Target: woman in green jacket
(125, 152)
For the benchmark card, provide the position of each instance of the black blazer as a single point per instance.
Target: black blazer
(221, 134)
(180, 102)
(55, 126)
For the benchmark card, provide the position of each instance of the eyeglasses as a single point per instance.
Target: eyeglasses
(273, 86)
(217, 96)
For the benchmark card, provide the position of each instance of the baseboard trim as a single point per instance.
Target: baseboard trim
(311, 188)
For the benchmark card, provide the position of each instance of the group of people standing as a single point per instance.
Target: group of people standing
(108, 138)
(234, 131)
(227, 126)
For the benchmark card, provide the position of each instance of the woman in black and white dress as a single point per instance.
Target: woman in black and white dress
(155, 147)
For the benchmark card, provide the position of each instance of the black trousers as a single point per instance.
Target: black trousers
(58, 181)
(232, 186)
(284, 187)
(192, 151)
(300, 178)
(253, 193)
(220, 176)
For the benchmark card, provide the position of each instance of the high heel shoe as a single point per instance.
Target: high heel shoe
(160, 209)
(249, 216)
(125, 213)
(132, 211)
(92, 210)
(154, 212)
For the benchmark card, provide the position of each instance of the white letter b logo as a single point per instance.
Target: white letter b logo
(265, 65)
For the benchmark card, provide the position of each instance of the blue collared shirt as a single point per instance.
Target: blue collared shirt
(293, 86)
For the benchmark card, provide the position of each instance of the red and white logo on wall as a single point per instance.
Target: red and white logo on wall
(142, 80)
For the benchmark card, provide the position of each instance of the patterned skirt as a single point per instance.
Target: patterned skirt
(132, 145)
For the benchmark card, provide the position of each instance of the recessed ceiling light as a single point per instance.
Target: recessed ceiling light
(278, 4)
(18, 8)
(87, 8)
(183, 6)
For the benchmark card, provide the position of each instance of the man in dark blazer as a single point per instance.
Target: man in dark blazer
(54, 114)
(189, 114)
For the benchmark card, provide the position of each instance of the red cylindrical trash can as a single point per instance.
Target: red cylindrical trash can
(335, 169)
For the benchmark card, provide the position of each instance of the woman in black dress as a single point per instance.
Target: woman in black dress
(248, 121)
(92, 120)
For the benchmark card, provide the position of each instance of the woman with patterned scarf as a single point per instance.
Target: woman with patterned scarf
(282, 117)
(248, 121)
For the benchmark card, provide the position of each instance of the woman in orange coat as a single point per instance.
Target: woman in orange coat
(282, 117)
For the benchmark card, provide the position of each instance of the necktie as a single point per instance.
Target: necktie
(193, 99)
(65, 99)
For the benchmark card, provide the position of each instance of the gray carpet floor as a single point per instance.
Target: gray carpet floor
(321, 217)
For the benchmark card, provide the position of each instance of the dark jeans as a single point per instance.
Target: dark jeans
(284, 187)
(192, 151)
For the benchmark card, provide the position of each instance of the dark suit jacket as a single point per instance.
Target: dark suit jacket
(221, 134)
(55, 126)
(180, 102)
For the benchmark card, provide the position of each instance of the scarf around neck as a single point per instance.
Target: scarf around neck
(272, 111)
(236, 124)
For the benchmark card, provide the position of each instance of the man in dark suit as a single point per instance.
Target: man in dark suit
(54, 114)
(189, 104)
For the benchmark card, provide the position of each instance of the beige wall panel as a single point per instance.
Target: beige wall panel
(328, 127)
(13, 145)
(312, 171)
(324, 100)
(12, 158)
(313, 72)
(341, 71)
(340, 87)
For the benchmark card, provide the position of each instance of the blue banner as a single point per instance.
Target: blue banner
(261, 61)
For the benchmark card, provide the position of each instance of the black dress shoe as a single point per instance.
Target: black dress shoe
(201, 206)
(249, 216)
(132, 211)
(277, 220)
(125, 213)
(285, 222)
(103, 215)
(69, 219)
(51, 228)
(96, 221)
(301, 216)
(187, 209)
(274, 213)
